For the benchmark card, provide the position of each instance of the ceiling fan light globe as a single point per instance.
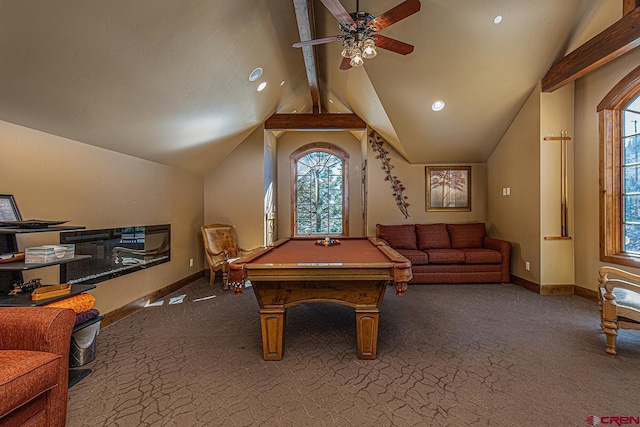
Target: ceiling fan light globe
(369, 52)
(356, 61)
(347, 47)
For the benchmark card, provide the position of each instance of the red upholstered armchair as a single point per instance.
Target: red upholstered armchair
(34, 365)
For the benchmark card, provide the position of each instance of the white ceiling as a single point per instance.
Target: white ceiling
(167, 80)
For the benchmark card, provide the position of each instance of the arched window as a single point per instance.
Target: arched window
(319, 193)
(620, 172)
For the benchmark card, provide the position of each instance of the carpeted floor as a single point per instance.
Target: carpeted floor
(448, 355)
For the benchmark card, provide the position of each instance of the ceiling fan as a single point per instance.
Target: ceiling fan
(359, 32)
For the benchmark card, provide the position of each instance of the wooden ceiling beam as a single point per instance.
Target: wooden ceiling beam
(629, 5)
(610, 44)
(314, 122)
(306, 28)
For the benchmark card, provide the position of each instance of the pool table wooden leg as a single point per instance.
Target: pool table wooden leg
(367, 332)
(272, 323)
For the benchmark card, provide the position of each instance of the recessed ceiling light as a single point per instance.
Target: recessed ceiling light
(261, 86)
(282, 83)
(294, 111)
(497, 19)
(437, 106)
(255, 74)
(331, 101)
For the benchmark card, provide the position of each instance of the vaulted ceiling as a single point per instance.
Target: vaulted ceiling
(168, 80)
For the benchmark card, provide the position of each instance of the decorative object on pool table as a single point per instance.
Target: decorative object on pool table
(448, 188)
(376, 142)
(327, 242)
(296, 271)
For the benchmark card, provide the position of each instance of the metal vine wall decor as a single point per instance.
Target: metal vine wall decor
(376, 142)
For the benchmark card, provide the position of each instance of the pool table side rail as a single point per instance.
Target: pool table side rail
(401, 266)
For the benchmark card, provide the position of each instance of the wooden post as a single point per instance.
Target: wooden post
(629, 6)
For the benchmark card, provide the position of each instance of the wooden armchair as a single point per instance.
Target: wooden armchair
(221, 247)
(619, 300)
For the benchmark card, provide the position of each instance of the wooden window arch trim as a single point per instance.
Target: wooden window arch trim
(610, 111)
(326, 148)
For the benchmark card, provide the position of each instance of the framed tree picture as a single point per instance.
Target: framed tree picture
(448, 188)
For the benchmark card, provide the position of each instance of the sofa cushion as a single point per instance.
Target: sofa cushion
(398, 236)
(414, 256)
(482, 256)
(24, 375)
(445, 256)
(466, 235)
(432, 236)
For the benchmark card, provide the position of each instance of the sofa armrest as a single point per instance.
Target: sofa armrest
(501, 246)
(504, 248)
(36, 328)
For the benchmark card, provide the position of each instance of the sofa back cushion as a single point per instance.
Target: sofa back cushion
(398, 236)
(432, 236)
(466, 235)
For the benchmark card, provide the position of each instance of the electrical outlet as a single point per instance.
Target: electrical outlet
(527, 266)
(190, 262)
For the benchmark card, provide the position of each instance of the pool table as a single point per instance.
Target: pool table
(353, 272)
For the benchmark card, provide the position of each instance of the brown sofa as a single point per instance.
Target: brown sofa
(34, 365)
(450, 253)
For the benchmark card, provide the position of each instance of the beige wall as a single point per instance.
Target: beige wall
(58, 179)
(234, 191)
(589, 91)
(382, 208)
(515, 163)
(288, 142)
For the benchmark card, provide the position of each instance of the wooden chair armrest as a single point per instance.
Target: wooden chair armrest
(623, 279)
(211, 253)
(250, 251)
(610, 285)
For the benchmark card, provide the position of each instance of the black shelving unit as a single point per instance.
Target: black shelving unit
(11, 272)
(24, 300)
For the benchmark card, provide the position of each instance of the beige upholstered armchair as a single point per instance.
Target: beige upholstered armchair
(619, 299)
(221, 247)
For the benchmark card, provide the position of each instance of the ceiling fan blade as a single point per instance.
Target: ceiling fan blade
(341, 14)
(345, 64)
(393, 45)
(401, 11)
(317, 41)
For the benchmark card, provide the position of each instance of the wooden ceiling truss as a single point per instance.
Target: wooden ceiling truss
(610, 44)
